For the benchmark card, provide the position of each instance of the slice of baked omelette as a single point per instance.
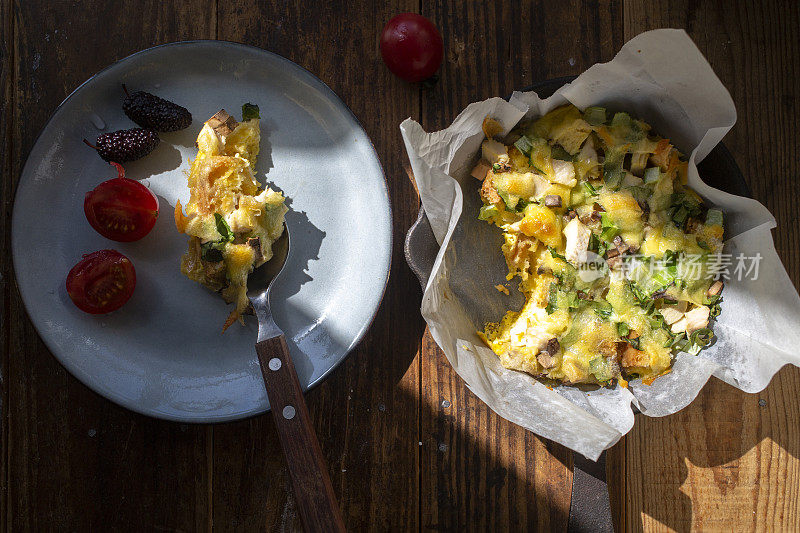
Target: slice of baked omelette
(230, 219)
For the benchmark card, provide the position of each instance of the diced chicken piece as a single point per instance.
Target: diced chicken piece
(577, 235)
(540, 185)
(492, 150)
(564, 173)
(696, 319)
(671, 315)
(571, 135)
(715, 288)
(588, 154)
(679, 326)
(546, 360)
(480, 170)
(638, 162)
(631, 181)
(222, 123)
(681, 306)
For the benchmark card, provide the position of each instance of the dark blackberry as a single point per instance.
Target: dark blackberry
(150, 111)
(125, 145)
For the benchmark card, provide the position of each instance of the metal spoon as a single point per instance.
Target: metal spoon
(311, 484)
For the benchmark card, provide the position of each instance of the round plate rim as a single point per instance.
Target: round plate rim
(131, 405)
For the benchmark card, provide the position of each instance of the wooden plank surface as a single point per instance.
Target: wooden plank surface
(479, 471)
(75, 461)
(730, 459)
(72, 460)
(6, 68)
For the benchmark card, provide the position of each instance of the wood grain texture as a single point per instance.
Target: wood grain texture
(74, 460)
(409, 447)
(366, 413)
(6, 147)
(308, 471)
(730, 459)
(479, 471)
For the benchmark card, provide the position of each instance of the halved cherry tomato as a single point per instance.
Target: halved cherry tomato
(101, 282)
(411, 47)
(121, 209)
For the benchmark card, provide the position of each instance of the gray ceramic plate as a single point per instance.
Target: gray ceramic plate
(162, 354)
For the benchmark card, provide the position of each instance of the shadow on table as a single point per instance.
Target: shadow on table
(482, 473)
(717, 431)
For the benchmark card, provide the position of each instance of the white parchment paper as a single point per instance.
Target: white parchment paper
(662, 78)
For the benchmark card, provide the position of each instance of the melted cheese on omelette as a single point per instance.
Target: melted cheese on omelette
(612, 249)
(231, 220)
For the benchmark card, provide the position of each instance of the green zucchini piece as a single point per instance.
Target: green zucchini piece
(595, 116)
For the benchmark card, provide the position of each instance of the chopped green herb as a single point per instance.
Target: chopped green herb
(635, 133)
(664, 277)
(223, 228)
(496, 167)
(683, 206)
(680, 342)
(713, 303)
(524, 145)
(714, 217)
(652, 175)
(602, 308)
(573, 302)
(621, 120)
(212, 251)
(702, 337)
(601, 369)
(555, 254)
(623, 329)
(552, 300)
(250, 111)
(597, 246)
(613, 174)
(488, 212)
(595, 115)
(680, 216)
(590, 190)
(558, 152)
(509, 199)
(641, 194)
(670, 340)
(610, 230)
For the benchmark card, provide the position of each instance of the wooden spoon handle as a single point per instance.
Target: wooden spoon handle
(313, 492)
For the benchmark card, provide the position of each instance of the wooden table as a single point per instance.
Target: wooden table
(409, 447)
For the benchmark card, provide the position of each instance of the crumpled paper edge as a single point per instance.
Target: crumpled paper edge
(590, 430)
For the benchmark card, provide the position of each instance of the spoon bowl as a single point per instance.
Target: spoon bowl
(259, 284)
